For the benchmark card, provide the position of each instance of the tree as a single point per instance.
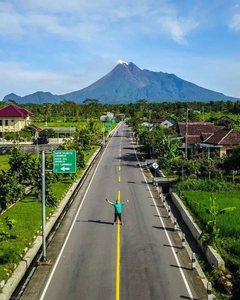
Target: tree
(49, 133)
(10, 190)
(91, 101)
(47, 111)
(232, 162)
(21, 165)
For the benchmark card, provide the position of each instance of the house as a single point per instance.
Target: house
(14, 118)
(227, 138)
(195, 134)
(169, 123)
(108, 116)
(207, 136)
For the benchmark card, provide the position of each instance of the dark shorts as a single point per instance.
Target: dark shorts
(119, 216)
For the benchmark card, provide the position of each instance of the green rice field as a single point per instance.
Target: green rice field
(228, 223)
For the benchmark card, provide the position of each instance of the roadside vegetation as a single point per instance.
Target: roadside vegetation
(209, 187)
(20, 192)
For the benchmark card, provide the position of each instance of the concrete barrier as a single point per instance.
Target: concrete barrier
(212, 256)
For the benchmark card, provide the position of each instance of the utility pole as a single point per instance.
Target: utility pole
(186, 137)
(149, 118)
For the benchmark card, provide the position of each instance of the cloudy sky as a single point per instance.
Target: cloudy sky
(61, 46)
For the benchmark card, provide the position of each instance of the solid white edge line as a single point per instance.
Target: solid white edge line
(70, 230)
(169, 240)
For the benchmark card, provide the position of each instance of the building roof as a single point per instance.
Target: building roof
(205, 135)
(224, 137)
(196, 128)
(198, 132)
(13, 110)
(36, 127)
(70, 129)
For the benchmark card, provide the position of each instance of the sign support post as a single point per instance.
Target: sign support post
(155, 166)
(43, 208)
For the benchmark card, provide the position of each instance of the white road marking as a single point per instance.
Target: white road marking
(70, 230)
(169, 240)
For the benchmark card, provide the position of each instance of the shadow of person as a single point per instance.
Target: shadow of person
(97, 221)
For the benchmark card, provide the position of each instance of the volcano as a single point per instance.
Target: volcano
(127, 83)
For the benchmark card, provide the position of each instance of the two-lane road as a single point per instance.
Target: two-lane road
(102, 261)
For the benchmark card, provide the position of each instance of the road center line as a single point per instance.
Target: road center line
(119, 178)
(70, 230)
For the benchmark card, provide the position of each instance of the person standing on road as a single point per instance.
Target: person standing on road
(118, 210)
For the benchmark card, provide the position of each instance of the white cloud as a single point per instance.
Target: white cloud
(122, 62)
(234, 23)
(177, 26)
(88, 20)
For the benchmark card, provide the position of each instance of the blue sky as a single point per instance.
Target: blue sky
(61, 46)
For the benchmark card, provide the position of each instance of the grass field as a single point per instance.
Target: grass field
(207, 116)
(27, 215)
(228, 223)
(78, 125)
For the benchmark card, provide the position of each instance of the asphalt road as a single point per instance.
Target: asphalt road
(133, 261)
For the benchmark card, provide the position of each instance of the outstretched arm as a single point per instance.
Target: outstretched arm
(126, 201)
(108, 201)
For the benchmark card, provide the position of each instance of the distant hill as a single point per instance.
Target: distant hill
(127, 83)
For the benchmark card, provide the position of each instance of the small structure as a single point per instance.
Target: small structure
(108, 116)
(14, 118)
(147, 124)
(169, 123)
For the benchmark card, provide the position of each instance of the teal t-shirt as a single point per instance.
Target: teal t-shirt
(118, 207)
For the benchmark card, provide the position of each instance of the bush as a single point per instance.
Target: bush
(8, 256)
(202, 185)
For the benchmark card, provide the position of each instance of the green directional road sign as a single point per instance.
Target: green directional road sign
(64, 161)
(108, 125)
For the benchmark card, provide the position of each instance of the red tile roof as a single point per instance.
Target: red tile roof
(225, 137)
(12, 110)
(36, 127)
(198, 132)
(194, 139)
(196, 128)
